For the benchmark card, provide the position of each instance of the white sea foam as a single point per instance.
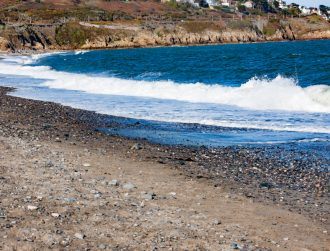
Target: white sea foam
(78, 52)
(260, 94)
(27, 59)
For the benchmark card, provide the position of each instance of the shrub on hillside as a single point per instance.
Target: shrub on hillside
(71, 34)
(200, 26)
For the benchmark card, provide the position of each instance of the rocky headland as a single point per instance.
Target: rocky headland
(69, 24)
(52, 37)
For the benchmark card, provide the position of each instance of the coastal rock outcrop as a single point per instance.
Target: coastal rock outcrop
(175, 37)
(316, 35)
(48, 37)
(4, 44)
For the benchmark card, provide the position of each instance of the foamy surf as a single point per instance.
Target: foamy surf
(279, 93)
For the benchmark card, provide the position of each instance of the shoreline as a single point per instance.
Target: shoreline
(265, 179)
(194, 197)
(29, 52)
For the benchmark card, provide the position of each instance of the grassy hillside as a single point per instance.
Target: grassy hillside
(54, 11)
(68, 24)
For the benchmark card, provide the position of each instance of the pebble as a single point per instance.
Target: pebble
(96, 196)
(136, 146)
(216, 222)
(49, 163)
(32, 208)
(235, 246)
(129, 186)
(265, 185)
(173, 195)
(55, 215)
(69, 200)
(102, 246)
(148, 196)
(2, 214)
(105, 182)
(114, 183)
(79, 236)
(86, 165)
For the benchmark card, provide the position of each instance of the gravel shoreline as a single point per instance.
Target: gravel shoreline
(296, 182)
(67, 185)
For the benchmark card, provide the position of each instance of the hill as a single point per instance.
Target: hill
(77, 24)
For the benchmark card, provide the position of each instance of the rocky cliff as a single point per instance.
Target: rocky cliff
(87, 36)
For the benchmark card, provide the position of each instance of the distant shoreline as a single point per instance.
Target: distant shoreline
(36, 52)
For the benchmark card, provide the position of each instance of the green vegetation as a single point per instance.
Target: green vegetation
(263, 5)
(200, 26)
(225, 9)
(183, 6)
(293, 11)
(314, 19)
(240, 24)
(71, 34)
(272, 26)
(52, 14)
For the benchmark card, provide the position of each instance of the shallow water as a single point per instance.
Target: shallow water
(238, 94)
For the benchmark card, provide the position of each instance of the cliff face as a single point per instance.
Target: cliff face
(82, 36)
(28, 37)
(175, 37)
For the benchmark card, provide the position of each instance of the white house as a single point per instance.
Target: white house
(282, 4)
(248, 4)
(212, 2)
(192, 2)
(225, 3)
(304, 11)
(312, 10)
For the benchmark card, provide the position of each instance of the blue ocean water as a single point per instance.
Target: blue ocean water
(234, 94)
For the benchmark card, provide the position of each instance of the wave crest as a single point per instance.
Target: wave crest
(279, 93)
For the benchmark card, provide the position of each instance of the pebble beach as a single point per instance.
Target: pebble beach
(67, 185)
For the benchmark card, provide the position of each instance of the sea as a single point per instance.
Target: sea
(257, 94)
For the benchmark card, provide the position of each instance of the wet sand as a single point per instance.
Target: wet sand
(67, 185)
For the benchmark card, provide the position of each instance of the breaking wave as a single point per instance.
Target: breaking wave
(279, 93)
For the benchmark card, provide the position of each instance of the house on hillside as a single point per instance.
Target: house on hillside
(315, 11)
(293, 5)
(248, 4)
(282, 4)
(304, 10)
(192, 2)
(225, 2)
(213, 3)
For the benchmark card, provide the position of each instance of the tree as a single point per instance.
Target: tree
(262, 5)
(324, 9)
(203, 4)
(294, 10)
(241, 8)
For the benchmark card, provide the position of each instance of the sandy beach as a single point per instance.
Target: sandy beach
(67, 186)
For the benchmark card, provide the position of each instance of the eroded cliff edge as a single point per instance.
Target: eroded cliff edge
(84, 35)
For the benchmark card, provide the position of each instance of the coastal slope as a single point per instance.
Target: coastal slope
(68, 25)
